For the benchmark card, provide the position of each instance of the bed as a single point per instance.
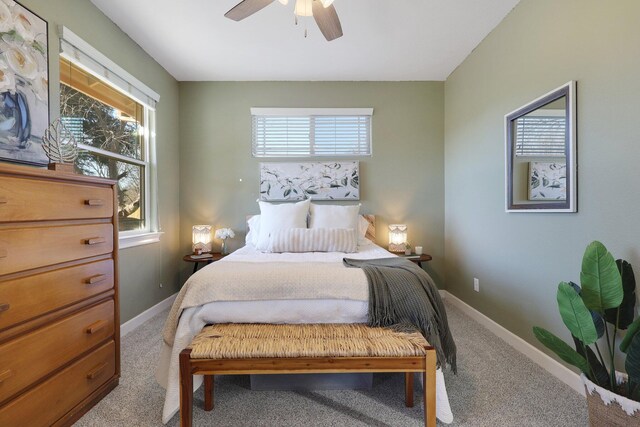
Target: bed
(284, 302)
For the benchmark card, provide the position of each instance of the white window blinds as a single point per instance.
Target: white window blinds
(309, 132)
(79, 52)
(541, 135)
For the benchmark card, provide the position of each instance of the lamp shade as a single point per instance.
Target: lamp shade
(304, 8)
(201, 238)
(397, 237)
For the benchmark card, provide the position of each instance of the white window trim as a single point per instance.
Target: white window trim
(129, 241)
(152, 231)
(107, 67)
(255, 111)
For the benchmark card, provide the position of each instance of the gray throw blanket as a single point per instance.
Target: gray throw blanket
(403, 295)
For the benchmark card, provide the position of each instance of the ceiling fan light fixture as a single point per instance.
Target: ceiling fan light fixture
(326, 3)
(303, 8)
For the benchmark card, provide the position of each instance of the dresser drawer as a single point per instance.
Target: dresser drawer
(49, 401)
(28, 297)
(33, 200)
(26, 248)
(32, 356)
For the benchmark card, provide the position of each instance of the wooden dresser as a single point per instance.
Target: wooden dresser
(59, 313)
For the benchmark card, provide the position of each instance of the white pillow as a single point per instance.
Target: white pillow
(280, 217)
(254, 231)
(335, 216)
(313, 240)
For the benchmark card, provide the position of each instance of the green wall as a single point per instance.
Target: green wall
(520, 257)
(402, 182)
(141, 268)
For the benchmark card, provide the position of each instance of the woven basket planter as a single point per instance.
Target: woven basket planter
(607, 409)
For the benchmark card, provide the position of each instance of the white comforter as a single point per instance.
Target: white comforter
(325, 310)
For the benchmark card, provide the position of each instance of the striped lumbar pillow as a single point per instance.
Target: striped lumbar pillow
(313, 240)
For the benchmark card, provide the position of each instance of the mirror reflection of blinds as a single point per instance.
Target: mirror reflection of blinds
(308, 136)
(541, 136)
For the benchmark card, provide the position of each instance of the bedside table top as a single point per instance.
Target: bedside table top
(215, 256)
(421, 258)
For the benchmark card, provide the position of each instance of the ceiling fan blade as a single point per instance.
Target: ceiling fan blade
(246, 8)
(327, 20)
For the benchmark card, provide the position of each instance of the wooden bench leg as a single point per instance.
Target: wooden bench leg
(408, 389)
(429, 387)
(186, 389)
(208, 392)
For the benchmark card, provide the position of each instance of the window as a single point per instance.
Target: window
(114, 131)
(311, 132)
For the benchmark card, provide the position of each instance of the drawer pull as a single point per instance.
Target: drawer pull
(94, 202)
(3, 200)
(95, 240)
(96, 279)
(94, 374)
(95, 327)
(4, 307)
(5, 375)
(3, 253)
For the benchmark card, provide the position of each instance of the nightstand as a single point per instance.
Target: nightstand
(215, 256)
(419, 259)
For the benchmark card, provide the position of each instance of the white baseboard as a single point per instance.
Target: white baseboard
(131, 325)
(551, 365)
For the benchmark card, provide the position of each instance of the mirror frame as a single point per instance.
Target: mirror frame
(570, 204)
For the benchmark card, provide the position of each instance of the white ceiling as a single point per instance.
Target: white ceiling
(383, 39)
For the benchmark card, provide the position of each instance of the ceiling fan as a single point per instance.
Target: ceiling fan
(322, 11)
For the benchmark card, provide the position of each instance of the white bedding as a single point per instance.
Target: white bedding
(271, 311)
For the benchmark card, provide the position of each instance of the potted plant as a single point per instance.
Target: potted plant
(224, 234)
(594, 313)
(407, 249)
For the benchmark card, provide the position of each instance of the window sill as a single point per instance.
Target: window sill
(125, 242)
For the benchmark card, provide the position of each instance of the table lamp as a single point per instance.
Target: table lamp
(397, 237)
(201, 239)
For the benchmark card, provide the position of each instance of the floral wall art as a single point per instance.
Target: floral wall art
(24, 84)
(316, 181)
(547, 181)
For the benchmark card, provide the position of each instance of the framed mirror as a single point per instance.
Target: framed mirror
(541, 154)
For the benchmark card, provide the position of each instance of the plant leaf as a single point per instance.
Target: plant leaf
(576, 288)
(561, 348)
(632, 364)
(635, 392)
(624, 314)
(600, 279)
(633, 329)
(575, 314)
(602, 377)
(598, 322)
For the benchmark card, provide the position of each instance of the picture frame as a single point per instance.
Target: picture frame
(338, 180)
(548, 181)
(24, 85)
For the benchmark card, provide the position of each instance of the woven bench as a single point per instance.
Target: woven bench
(234, 349)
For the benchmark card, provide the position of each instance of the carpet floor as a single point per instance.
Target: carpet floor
(495, 386)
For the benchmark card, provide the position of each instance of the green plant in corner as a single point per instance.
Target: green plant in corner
(593, 314)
